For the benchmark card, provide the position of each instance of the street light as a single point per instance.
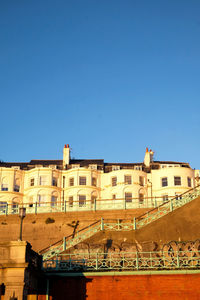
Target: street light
(22, 215)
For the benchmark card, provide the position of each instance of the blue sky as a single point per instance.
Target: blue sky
(107, 77)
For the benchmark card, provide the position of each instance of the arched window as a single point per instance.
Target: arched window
(4, 184)
(3, 207)
(82, 200)
(54, 199)
(42, 198)
(17, 185)
(15, 205)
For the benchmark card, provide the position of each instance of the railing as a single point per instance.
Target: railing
(122, 225)
(167, 207)
(71, 240)
(85, 233)
(88, 205)
(161, 260)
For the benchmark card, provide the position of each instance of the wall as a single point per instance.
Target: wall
(137, 287)
(41, 234)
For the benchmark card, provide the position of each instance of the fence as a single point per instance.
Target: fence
(160, 260)
(88, 205)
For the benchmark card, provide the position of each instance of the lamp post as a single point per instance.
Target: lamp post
(22, 215)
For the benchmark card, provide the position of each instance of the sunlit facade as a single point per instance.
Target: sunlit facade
(79, 184)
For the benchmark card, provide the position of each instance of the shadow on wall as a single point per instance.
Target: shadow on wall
(73, 288)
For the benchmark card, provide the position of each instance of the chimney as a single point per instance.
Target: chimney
(148, 158)
(66, 155)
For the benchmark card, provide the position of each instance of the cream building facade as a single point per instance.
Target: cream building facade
(79, 184)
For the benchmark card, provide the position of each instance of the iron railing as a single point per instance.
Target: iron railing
(121, 225)
(167, 207)
(161, 260)
(87, 205)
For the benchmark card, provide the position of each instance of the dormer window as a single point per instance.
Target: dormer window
(93, 167)
(75, 166)
(16, 167)
(115, 168)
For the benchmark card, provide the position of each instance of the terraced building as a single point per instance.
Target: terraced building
(87, 185)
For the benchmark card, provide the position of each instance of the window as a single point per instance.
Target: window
(94, 181)
(14, 207)
(54, 181)
(43, 180)
(115, 168)
(16, 188)
(3, 206)
(165, 198)
(4, 187)
(128, 197)
(189, 181)
(93, 199)
(75, 166)
(141, 198)
(141, 180)
(54, 201)
(82, 200)
(32, 182)
(16, 185)
(114, 181)
(71, 181)
(82, 180)
(127, 179)
(71, 201)
(177, 180)
(164, 181)
(93, 167)
(41, 200)
(113, 196)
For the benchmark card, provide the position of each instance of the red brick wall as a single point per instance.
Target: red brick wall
(137, 287)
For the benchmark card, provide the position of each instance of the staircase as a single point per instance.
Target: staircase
(120, 225)
(167, 207)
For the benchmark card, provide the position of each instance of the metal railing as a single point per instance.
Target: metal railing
(85, 233)
(120, 224)
(87, 205)
(160, 260)
(167, 207)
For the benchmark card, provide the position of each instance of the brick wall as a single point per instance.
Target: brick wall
(141, 287)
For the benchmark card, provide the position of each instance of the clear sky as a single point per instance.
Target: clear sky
(109, 77)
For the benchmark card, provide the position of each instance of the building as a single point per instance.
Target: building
(79, 184)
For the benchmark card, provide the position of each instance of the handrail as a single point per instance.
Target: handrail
(119, 225)
(168, 201)
(66, 237)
